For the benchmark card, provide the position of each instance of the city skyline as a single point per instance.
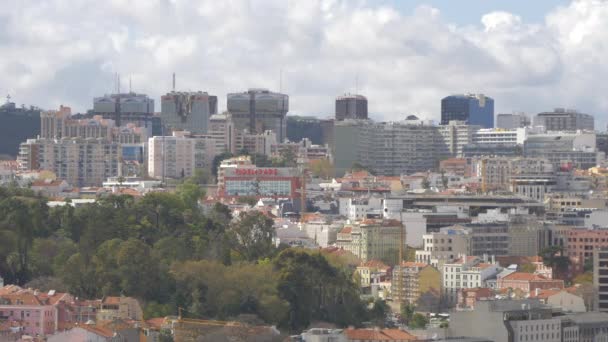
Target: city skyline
(529, 61)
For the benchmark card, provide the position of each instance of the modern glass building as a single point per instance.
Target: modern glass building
(473, 109)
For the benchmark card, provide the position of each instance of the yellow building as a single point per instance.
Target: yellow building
(372, 239)
(417, 284)
(370, 272)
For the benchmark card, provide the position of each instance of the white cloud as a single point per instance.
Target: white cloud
(63, 51)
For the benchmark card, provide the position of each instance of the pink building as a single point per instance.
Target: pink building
(581, 243)
(528, 282)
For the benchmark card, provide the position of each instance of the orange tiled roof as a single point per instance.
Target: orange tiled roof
(484, 265)
(379, 335)
(524, 276)
(346, 230)
(111, 300)
(544, 294)
(374, 263)
(101, 331)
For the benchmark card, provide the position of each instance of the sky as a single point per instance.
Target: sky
(530, 56)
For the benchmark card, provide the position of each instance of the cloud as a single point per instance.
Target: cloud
(63, 51)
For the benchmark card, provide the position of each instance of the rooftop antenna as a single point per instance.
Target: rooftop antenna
(357, 84)
(8, 98)
(173, 81)
(130, 84)
(118, 85)
(281, 80)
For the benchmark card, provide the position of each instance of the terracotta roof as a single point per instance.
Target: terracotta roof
(111, 300)
(544, 294)
(346, 230)
(374, 263)
(524, 276)
(480, 292)
(379, 335)
(22, 298)
(156, 323)
(483, 265)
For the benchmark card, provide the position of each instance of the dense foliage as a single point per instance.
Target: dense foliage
(163, 250)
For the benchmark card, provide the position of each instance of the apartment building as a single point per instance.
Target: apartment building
(465, 273)
(372, 239)
(444, 246)
(417, 284)
(582, 244)
(177, 156)
(456, 135)
(80, 162)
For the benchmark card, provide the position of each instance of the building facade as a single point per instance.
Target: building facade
(259, 110)
(372, 239)
(565, 120)
(187, 111)
(179, 155)
(351, 107)
(473, 109)
(512, 121)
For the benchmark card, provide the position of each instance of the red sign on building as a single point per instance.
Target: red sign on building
(256, 172)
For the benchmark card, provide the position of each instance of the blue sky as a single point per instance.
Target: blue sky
(464, 12)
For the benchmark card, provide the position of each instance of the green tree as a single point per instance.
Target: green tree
(407, 312)
(418, 321)
(378, 312)
(251, 235)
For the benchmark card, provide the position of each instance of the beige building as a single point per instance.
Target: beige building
(372, 239)
(444, 246)
(417, 284)
(126, 308)
(456, 135)
(80, 162)
(177, 156)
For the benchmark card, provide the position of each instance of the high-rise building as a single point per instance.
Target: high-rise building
(562, 119)
(188, 111)
(351, 106)
(456, 135)
(78, 161)
(512, 121)
(474, 109)
(178, 156)
(387, 148)
(259, 110)
(126, 108)
(16, 125)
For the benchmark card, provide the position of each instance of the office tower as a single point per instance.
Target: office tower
(16, 125)
(512, 121)
(474, 109)
(259, 110)
(126, 108)
(187, 111)
(562, 119)
(351, 106)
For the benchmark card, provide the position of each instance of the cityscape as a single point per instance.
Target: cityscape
(207, 214)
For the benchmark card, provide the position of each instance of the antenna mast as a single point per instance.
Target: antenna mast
(281, 80)
(173, 81)
(130, 91)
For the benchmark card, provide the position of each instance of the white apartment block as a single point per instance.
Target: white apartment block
(498, 136)
(177, 156)
(465, 273)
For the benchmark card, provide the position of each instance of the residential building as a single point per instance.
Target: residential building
(351, 106)
(497, 150)
(582, 244)
(577, 149)
(600, 278)
(463, 167)
(179, 155)
(456, 135)
(560, 299)
(500, 137)
(590, 326)
(119, 308)
(512, 121)
(388, 148)
(371, 272)
(372, 239)
(417, 284)
(444, 246)
(528, 282)
(465, 273)
(259, 110)
(467, 298)
(564, 120)
(80, 162)
(187, 111)
(323, 233)
(322, 335)
(126, 108)
(507, 320)
(474, 109)
(221, 130)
